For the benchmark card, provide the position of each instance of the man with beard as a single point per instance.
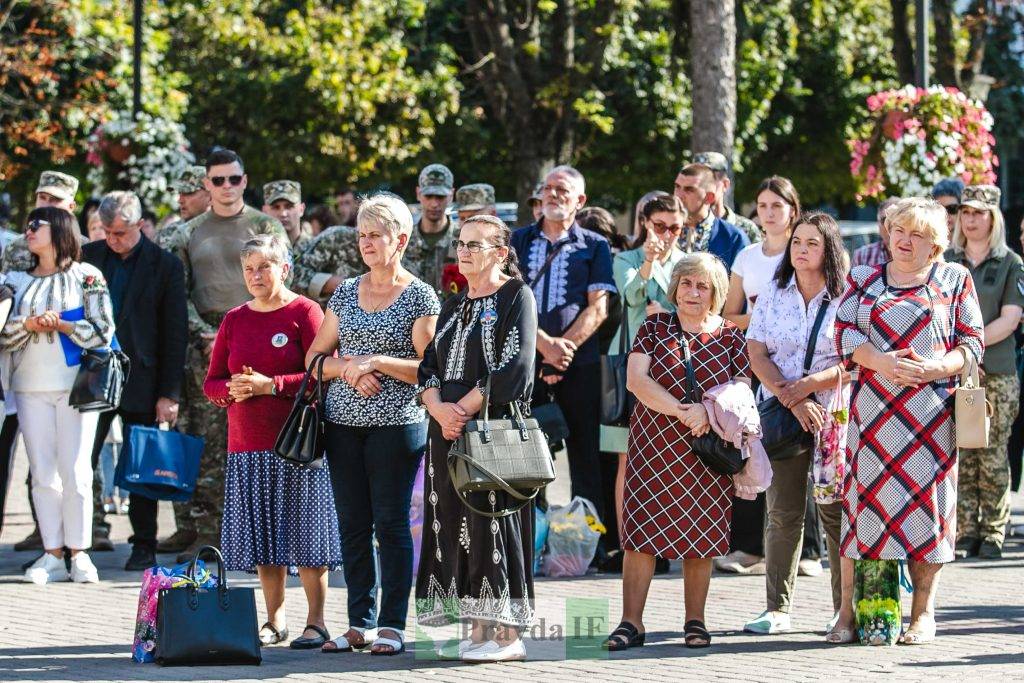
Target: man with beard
(569, 270)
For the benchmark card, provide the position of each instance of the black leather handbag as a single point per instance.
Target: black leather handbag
(712, 450)
(551, 420)
(200, 626)
(301, 439)
(100, 380)
(782, 435)
(616, 401)
(500, 455)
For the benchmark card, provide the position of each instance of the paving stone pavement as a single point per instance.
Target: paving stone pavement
(71, 632)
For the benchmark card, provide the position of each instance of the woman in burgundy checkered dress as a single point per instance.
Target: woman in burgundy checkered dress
(908, 326)
(674, 506)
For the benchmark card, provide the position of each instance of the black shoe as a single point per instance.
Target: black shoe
(967, 547)
(101, 540)
(34, 541)
(990, 551)
(142, 558)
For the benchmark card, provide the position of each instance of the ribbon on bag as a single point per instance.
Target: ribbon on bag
(828, 467)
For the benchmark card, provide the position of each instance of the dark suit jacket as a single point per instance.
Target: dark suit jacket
(152, 326)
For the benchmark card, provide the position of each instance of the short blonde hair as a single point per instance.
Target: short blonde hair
(996, 236)
(918, 213)
(708, 265)
(388, 211)
(270, 247)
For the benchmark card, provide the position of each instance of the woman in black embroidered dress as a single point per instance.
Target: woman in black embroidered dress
(474, 568)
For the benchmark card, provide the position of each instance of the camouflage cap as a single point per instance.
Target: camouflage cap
(436, 179)
(713, 160)
(282, 189)
(190, 180)
(537, 194)
(60, 185)
(984, 197)
(474, 197)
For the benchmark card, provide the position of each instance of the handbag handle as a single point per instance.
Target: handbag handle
(485, 421)
(691, 376)
(812, 341)
(623, 328)
(501, 483)
(969, 376)
(222, 579)
(315, 365)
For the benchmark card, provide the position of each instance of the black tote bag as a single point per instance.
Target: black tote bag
(301, 439)
(616, 401)
(711, 449)
(198, 626)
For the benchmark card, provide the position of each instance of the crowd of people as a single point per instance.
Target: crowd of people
(414, 324)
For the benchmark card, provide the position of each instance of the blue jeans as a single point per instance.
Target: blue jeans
(372, 473)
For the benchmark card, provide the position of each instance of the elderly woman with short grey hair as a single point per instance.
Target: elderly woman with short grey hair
(278, 517)
(380, 323)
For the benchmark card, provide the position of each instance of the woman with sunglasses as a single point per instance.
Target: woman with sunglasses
(59, 300)
(642, 276)
(380, 324)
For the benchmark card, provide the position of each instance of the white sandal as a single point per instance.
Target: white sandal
(342, 644)
(397, 646)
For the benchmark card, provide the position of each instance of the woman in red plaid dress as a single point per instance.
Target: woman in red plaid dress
(674, 506)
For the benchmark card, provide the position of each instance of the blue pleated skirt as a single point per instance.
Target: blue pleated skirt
(276, 513)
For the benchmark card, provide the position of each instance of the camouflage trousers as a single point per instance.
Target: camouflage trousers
(983, 482)
(197, 416)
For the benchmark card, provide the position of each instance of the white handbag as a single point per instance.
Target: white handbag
(972, 412)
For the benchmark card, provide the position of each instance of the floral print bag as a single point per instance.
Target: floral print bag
(828, 467)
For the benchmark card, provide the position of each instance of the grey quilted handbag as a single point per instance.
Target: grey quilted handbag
(501, 455)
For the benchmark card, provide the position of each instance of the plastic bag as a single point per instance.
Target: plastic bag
(573, 532)
(540, 539)
(876, 600)
(154, 580)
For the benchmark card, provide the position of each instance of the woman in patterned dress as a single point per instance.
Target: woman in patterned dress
(380, 324)
(908, 326)
(674, 506)
(474, 568)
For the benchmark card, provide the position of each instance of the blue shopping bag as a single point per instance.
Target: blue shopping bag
(159, 464)
(72, 351)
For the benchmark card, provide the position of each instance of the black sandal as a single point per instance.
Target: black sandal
(694, 631)
(306, 643)
(274, 637)
(625, 636)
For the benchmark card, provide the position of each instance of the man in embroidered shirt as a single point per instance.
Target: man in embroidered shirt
(876, 253)
(696, 187)
(569, 270)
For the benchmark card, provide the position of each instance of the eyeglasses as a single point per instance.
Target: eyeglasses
(662, 229)
(218, 180)
(951, 209)
(472, 247)
(33, 226)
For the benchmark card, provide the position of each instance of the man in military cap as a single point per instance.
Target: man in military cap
(282, 199)
(430, 246)
(55, 189)
(209, 246)
(193, 198)
(475, 200)
(983, 482)
(719, 165)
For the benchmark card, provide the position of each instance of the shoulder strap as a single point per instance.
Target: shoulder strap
(692, 394)
(547, 263)
(812, 342)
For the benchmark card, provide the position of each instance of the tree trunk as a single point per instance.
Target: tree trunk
(945, 50)
(902, 48)
(713, 74)
(976, 21)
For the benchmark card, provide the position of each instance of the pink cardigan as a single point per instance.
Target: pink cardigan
(733, 415)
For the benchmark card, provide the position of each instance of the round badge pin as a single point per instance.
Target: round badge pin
(488, 316)
(279, 340)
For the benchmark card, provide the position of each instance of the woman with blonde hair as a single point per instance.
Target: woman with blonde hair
(983, 480)
(908, 327)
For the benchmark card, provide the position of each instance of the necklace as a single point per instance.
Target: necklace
(915, 278)
(380, 304)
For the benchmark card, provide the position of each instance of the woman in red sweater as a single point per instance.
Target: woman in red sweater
(278, 517)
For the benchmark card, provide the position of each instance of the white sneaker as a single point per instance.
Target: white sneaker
(768, 623)
(810, 568)
(492, 652)
(449, 652)
(47, 569)
(83, 570)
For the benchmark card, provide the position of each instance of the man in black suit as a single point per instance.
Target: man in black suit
(147, 290)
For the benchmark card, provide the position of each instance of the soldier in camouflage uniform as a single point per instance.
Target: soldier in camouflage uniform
(328, 259)
(983, 481)
(209, 246)
(720, 166)
(282, 199)
(475, 200)
(430, 245)
(54, 189)
(193, 199)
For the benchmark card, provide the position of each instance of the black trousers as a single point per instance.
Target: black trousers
(579, 396)
(1015, 447)
(8, 439)
(142, 511)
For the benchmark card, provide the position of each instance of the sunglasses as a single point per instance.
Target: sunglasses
(662, 229)
(218, 180)
(33, 226)
(952, 209)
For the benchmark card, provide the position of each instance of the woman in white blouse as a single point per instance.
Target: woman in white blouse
(810, 276)
(58, 297)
